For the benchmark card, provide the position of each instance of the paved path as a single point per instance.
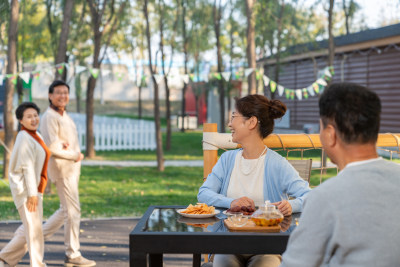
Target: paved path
(104, 240)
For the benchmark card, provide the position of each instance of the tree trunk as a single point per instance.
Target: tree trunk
(62, 45)
(217, 28)
(160, 156)
(167, 91)
(251, 45)
(185, 52)
(8, 103)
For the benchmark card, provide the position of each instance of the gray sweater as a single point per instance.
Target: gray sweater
(350, 220)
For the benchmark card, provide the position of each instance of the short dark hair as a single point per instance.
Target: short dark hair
(263, 109)
(19, 112)
(55, 84)
(353, 110)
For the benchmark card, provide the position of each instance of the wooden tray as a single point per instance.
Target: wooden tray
(250, 226)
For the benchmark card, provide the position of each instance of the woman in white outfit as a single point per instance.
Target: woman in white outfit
(28, 178)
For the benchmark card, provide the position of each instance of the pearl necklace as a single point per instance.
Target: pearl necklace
(252, 168)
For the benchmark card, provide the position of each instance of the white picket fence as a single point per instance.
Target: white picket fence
(112, 133)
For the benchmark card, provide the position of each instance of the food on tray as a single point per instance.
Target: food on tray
(246, 210)
(199, 208)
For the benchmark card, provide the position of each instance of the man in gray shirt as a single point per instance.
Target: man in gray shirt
(353, 218)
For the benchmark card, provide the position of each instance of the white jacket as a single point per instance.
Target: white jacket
(26, 164)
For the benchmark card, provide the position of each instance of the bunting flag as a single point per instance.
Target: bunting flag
(266, 80)
(12, 78)
(185, 78)
(238, 75)
(316, 87)
(272, 85)
(281, 89)
(119, 75)
(305, 93)
(299, 94)
(287, 93)
(217, 76)
(36, 74)
(107, 72)
(226, 75)
(95, 72)
(25, 76)
(1, 79)
(205, 78)
(321, 82)
(258, 75)
(158, 78)
(310, 90)
(79, 69)
(292, 94)
(60, 68)
(248, 71)
(191, 76)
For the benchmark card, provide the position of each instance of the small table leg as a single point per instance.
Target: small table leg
(156, 260)
(196, 260)
(138, 260)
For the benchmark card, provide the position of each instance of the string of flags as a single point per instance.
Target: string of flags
(313, 89)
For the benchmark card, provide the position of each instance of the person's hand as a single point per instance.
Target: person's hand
(32, 203)
(243, 201)
(81, 156)
(65, 146)
(284, 207)
(285, 224)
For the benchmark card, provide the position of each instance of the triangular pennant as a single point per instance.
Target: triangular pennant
(226, 75)
(60, 68)
(205, 78)
(218, 76)
(238, 75)
(310, 90)
(321, 82)
(272, 85)
(36, 74)
(25, 76)
(185, 78)
(120, 76)
(292, 94)
(332, 70)
(79, 69)
(158, 78)
(316, 87)
(95, 72)
(299, 94)
(280, 89)
(327, 72)
(1, 79)
(248, 71)
(287, 93)
(258, 76)
(105, 72)
(266, 80)
(305, 93)
(12, 78)
(191, 76)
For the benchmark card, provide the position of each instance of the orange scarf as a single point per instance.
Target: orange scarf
(43, 174)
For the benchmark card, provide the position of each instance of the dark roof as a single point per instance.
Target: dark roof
(353, 38)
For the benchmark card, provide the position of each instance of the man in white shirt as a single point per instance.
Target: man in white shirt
(351, 219)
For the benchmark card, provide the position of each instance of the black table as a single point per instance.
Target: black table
(163, 230)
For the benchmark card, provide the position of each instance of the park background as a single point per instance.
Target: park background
(202, 54)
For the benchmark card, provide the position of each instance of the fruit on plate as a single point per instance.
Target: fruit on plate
(262, 221)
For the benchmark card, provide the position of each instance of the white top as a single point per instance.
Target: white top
(26, 165)
(58, 130)
(247, 179)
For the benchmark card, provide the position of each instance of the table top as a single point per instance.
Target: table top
(163, 230)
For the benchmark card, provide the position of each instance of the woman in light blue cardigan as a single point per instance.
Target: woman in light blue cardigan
(254, 173)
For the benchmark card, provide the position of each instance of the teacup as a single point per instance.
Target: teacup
(237, 218)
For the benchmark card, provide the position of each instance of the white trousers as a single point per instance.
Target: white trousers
(31, 238)
(69, 215)
(243, 260)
